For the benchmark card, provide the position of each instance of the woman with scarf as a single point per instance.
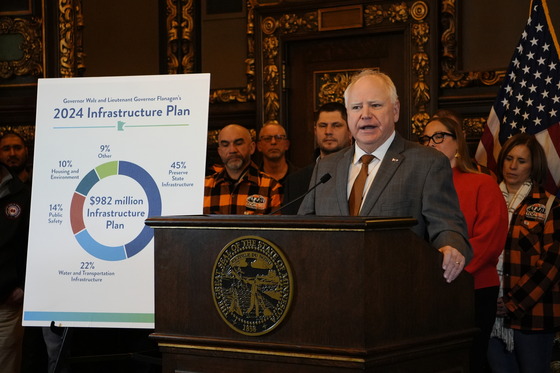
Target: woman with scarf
(529, 303)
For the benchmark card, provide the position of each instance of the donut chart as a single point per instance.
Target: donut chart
(84, 238)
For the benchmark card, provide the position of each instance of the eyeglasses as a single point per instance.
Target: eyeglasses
(437, 138)
(276, 137)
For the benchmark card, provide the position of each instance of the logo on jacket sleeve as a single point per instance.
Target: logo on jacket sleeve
(12, 211)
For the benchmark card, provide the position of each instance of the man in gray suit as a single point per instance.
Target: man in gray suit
(404, 178)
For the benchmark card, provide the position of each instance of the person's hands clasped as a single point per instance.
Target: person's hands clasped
(453, 262)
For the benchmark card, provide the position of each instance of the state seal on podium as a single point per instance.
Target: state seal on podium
(252, 285)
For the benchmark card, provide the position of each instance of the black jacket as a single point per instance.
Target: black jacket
(15, 198)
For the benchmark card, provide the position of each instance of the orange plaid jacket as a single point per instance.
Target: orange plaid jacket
(532, 265)
(255, 193)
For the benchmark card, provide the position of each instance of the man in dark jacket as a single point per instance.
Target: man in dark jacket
(15, 199)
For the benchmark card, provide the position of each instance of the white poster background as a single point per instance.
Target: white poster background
(109, 153)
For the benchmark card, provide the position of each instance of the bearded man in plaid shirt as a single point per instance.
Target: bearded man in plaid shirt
(240, 187)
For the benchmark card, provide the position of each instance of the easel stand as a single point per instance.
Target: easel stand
(85, 340)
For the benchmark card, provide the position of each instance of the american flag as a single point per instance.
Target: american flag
(529, 99)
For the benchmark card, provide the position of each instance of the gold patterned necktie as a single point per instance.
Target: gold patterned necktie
(356, 195)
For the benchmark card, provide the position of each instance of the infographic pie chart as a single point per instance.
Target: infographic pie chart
(79, 228)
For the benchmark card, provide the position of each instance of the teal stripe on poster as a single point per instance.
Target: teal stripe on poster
(89, 317)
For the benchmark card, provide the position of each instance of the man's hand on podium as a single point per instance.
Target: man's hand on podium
(453, 262)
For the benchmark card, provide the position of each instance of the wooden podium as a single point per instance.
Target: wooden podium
(364, 295)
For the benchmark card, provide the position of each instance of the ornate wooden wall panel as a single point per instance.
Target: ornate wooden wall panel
(49, 35)
(71, 55)
(21, 64)
(401, 29)
(278, 26)
(51, 31)
(469, 92)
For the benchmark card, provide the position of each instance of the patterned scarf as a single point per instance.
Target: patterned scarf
(513, 201)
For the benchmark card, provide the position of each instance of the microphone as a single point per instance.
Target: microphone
(326, 177)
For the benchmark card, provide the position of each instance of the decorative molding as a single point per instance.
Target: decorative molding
(329, 86)
(71, 24)
(187, 33)
(474, 127)
(173, 31)
(451, 77)
(271, 77)
(419, 10)
(213, 137)
(420, 67)
(375, 14)
(180, 34)
(31, 62)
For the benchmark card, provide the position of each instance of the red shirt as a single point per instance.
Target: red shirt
(485, 211)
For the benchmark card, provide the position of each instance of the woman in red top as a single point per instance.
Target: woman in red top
(485, 212)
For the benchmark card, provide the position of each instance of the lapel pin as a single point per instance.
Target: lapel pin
(394, 160)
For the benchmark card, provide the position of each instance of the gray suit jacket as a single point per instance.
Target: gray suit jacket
(412, 181)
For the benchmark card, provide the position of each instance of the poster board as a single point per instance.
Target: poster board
(109, 153)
